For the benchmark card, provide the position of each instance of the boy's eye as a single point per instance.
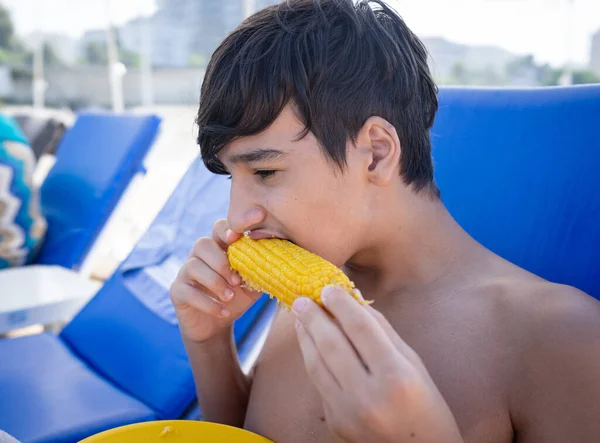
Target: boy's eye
(265, 173)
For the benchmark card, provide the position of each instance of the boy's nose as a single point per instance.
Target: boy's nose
(241, 220)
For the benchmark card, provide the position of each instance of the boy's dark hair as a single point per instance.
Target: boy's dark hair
(338, 63)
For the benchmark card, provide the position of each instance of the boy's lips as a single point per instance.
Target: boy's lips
(259, 234)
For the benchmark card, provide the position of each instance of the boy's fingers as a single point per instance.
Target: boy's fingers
(223, 235)
(203, 275)
(198, 299)
(316, 368)
(366, 335)
(207, 250)
(331, 343)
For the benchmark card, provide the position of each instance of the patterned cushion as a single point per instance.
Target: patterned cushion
(22, 226)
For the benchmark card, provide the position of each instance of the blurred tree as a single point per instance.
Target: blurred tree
(129, 58)
(521, 66)
(17, 46)
(459, 74)
(197, 60)
(51, 58)
(95, 53)
(581, 77)
(7, 29)
(549, 76)
(490, 77)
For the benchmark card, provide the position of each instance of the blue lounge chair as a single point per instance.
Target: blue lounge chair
(515, 167)
(121, 359)
(518, 169)
(95, 162)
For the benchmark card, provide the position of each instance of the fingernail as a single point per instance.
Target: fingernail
(235, 279)
(230, 235)
(326, 293)
(300, 305)
(224, 313)
(228, 294)
(358, 294)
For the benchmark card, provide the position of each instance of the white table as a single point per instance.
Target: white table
(34, 295)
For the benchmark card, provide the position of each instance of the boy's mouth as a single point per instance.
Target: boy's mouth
(258, 234)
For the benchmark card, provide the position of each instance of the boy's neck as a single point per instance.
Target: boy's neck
(414, 246)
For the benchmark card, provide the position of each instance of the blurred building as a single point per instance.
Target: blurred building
(90, 37)
(210, 21)
(169, 40)
(64, 46)
(186, 32)
(447, 59)
(260, 4)
(595, 53)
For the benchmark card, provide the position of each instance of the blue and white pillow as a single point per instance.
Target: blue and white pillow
(22, 226)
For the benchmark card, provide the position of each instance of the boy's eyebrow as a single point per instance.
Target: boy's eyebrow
(257, 155)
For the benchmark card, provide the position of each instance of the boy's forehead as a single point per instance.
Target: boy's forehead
(283, 136)
(252, 154)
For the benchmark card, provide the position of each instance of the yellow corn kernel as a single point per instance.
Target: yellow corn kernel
(285, 271)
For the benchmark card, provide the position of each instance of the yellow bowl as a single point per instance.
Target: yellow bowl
(176, 431)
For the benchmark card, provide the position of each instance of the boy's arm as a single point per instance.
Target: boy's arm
(208, 299)
(557, 395)
(222, 387)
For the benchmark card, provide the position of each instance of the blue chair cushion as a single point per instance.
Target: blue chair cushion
(137, 350)
(133, 348)
(518, 169)
(50, 396)
(95, 162)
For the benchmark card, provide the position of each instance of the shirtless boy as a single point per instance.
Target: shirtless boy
(320, 111)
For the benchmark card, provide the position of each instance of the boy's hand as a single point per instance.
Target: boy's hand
(206, 294)
(374, 387)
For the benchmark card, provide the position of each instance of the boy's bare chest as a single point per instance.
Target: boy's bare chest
(285, 407)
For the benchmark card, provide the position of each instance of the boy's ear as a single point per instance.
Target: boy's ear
(380, 144)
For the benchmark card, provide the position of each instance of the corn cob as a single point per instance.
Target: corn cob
(285, 271)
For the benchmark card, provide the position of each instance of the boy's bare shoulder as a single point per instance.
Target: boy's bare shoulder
(540, 306)
(540, 311)
(544, 320)
(554, 331)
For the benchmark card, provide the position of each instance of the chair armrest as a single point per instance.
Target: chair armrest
(40, 294)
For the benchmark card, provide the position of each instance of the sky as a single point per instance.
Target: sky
(539, 27)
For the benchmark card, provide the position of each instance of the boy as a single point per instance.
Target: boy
(320, 111)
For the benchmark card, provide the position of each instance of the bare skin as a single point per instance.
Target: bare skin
(498, 353)
(474, 345)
